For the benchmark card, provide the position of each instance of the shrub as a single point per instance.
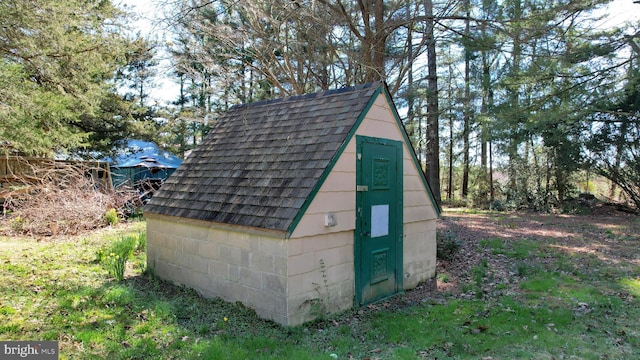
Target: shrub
(447, 245)
(17, 224)
(497, 205)
(111, 217)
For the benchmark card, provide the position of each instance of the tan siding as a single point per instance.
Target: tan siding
(419, 252)
(418, 213)
(341, 181)
(419, 216)
(314, 244)
(337, 195)
(313, 224)
(338, 201)
(413, 183)
(413, 198)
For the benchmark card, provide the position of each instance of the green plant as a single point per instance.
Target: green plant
(495, 244)
(17, 224)
(524, 269)
(497, 205)
(522, 249)
(478, 274)
(115, 257)
(319, 306)
(135, 213)
(443, 277)
(575, 207)
(111, 216)
(447, 245)
(542, 282)
(465, 288)
(141, 240)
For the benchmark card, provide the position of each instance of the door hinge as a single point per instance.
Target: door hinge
(362, 188)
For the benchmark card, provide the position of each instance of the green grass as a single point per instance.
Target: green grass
(632, 286)
(475, 329)
(520, 249)
(566, 306)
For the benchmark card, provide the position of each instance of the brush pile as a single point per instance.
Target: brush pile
(62, 199)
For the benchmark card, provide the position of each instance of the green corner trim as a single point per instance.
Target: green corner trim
(333, 161)
(412, 152)
(381, 89)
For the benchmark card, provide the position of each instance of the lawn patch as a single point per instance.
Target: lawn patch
(557, 302)
(516, 249)
(631, 285)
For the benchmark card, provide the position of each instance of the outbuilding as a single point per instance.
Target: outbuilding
(298, 207)
(142, 161)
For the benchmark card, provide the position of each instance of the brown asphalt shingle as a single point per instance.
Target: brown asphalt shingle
(261, 161)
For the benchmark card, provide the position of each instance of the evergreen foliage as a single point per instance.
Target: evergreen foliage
(519, 97)
(615, 145)
(57, 66)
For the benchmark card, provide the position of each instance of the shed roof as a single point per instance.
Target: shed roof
(262, 161)
(144, 153)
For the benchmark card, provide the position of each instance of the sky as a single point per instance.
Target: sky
(166, 90)
(621, 11)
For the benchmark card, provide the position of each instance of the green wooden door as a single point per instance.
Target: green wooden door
(378, 236)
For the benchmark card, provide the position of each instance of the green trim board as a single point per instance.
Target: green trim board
(381, 89)
(261, 161)
(332, 163)
(412, 152)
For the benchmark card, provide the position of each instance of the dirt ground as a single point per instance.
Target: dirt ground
(611, 235)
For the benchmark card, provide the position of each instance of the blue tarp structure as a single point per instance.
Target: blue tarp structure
(142, 161)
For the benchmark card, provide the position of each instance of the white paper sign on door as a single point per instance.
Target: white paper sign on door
(379, 220)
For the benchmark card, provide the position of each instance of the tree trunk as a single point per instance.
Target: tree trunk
(484, 126)
(467, 108)
(411, 118)
(514, 99)
(450, 95)
(379, 42)
(624, 129)
(433, 141)
(491, 189)
(450, 178)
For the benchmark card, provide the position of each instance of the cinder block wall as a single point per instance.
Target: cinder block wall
(321, 275)
(419, 252)
(232, 265)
